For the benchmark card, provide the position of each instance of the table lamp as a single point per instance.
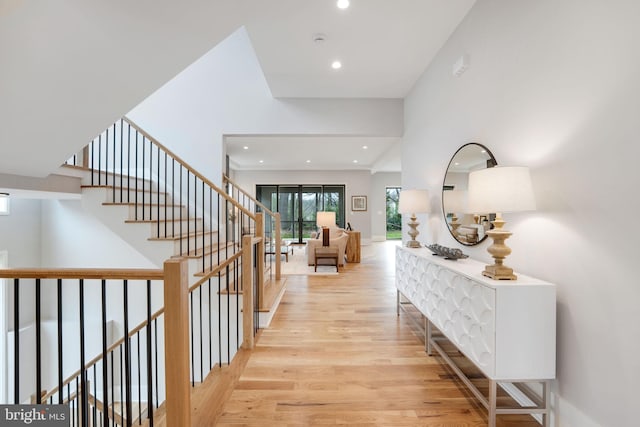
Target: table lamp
(325, 220)
(497, 190)
(413, 202)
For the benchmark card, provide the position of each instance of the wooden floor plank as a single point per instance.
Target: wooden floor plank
(336, 353)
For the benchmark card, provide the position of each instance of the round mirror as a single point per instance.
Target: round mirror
(468, 228)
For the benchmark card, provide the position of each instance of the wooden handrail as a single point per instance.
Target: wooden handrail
(82, 273)
(190, 169)
(216, 270)
(249, 196)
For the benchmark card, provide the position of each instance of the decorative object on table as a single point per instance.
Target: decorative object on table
(455, 202)
(469, 157)
(413, 202)
(358, 203)
(448, 253)
(499, 190)
(325, 220)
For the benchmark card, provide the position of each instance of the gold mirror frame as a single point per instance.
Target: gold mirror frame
(468, 228)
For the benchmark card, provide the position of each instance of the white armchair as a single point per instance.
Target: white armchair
(337, 238)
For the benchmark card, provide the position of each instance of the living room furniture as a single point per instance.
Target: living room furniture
(337, 238)
(506, 329)
(353, 246)
(323, 253)
(286, 249)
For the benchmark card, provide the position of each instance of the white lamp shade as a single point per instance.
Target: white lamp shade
(326, 219)
(501, 189)
(455, 201)
(414, 201)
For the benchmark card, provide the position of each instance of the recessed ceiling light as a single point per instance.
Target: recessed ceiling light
(483, 151)
(364, 147)
(245, 147)
(261, 161)
(336, 65)
(308, 161)
(457, 164)
(343, 4)
(355, 161)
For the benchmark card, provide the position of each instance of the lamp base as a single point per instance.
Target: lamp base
(413, 233)
(499, 272)
(499, 251)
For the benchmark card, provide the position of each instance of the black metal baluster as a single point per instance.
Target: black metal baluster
(150, 179)
(113, 393)
(193, 365)
(92, 148)
(236, 280)
(139, 379)
(95, 395)
(100, 159)
(203, 229)
(211, 228)
(105, 367)
(181, 253)
(128, 163)
(166, 194)
(127, 350)
(188, 198)
(122, 401)
(155, 330)
(60, 341)
(136, 164)
(158, 197)
(83, 397)
(200, 315)
(121, 158)
(16, 341)
(106, 163)
(210, 335)
(114, 163)
(149, 360)
(228, 317)
(173, 197)
(38, 344)
(144, 174)
(219, 320)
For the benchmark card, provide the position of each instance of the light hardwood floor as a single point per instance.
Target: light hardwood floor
(337, 354)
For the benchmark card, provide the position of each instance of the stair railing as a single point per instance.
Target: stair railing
(81, 305)
(272, 227)
(164, 190)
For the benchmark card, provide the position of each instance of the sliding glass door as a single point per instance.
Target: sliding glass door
(298, 205)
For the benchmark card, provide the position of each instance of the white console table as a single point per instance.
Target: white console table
(506, 328)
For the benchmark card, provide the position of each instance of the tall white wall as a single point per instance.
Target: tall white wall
(552, 85)
(225, 92)
(358, 183)
(378, 202)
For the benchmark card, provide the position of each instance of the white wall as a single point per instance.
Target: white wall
(74, 67)
(20, 237)
(225, 92)
(378, 202)
(552, 85)
(357, 183)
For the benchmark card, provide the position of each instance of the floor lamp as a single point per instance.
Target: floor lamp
(413, 202)
(326, 220)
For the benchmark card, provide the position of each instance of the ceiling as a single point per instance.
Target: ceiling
(384, 46)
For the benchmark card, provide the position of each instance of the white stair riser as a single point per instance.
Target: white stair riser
(151, 212)
(172, 228)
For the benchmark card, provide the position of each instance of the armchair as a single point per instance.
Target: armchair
(337, 238)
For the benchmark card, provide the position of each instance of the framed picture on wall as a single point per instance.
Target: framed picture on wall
(358, 203)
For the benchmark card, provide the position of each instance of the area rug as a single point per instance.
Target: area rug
(297, 264)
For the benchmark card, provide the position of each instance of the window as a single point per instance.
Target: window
(298, 204)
